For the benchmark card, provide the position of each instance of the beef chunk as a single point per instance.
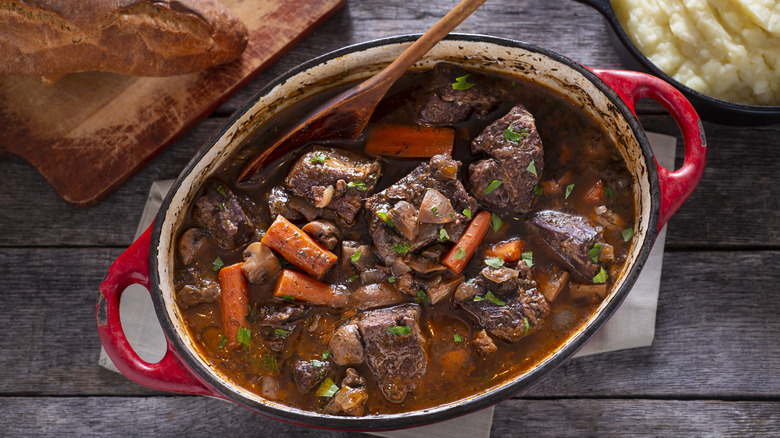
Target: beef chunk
(348, 401)
(325, 233)
(281, 316)
(441, 104)
(201, 291)
(346, 346)
(334, 179)
(511, 154)
(191, 243)
(353, 379)
(308, 373)
(508, 310)
(570, 237)
(396, 358)
(375, 295)
(219, 212)
(411, 189)
(484, 343)
(279, 204)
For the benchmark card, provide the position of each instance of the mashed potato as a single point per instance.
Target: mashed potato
(728, 49)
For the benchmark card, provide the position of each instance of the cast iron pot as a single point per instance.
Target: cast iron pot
(710, 108)
(609, 96)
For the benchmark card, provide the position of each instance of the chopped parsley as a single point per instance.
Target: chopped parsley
(353, 278)
(358, 184)
(288, 297)
(593, 253)
(528, 258)
(318, 158)
(222, 341)
(243, 337)
(401, 248)
(492, 186)
(493, 299)
(467, 213)
(627, 234)
(457, 338)
(610, 192)
(217, 264)
(297, 234)
(510, 134)
(478, 298)
(269, 362)
(327, 388)
(495, 222)
(459, 254)
(443, 235)
(532, 168)
(601, 277)
(435, 211)
(400, 330)
(538, 190)
(317, 364)
(382, 215)
(282, 333)
(461, 83)
(495, 262)
(422, 298)
(221, 206)
(221, 190)
(527, 325)
(325, 354)
(391, 279)
(355, 257)
(569, 188)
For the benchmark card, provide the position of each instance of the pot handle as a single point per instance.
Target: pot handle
(169, 374)
(675, 185)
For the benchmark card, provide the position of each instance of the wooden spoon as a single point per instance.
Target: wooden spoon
(345, 116)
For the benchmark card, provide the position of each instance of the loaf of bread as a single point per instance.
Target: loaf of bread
(50, 38)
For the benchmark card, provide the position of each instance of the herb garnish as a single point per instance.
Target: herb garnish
(610, 192)
(327, 388)
(495, 262)
(222, 341)
(353, 278)
(528, 258)
(443, 235)
(492, 186)
(510, 134)
(288, 297)
(382, 215)
(527, 325)
(221, 190)
(269, 362)
(282, 333)
(355, 257)
(593, 253)
(243, 337)
(538, 191)
(391, 279)
(467, 213)
(532, 168)
(493, 299)
(217, 264)
(400, 330)
(462, 84)
(457, 338)
(459, 254)
(435, 211)
(627, 234)
(318, 158)
(495, 222)
(422, 298)
(601, 277)
(358, 184)
(569, 188)
(401, 248)
(325, 354)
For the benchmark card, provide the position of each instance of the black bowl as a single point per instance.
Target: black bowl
(709, 108)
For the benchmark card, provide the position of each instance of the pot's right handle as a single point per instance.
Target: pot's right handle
(169, 374)
(676, 185)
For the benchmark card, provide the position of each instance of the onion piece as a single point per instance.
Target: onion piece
(435, 208)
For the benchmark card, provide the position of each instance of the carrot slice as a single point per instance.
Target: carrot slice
(460, 254)
(410, 141)
(509, 251)
(595, 193)
(293, 284)
(298, 248)
(234, 302)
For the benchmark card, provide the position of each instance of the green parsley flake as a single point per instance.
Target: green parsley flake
(569, 188)
(532, 168)
(593, 253)
(601, 277)
(382, 215)
(401, 248)
(269, 362)
(459, 254)
(327, 388)
(443, 235)
(435, 211)
(217, 264)
(317, 364)
(457, 338)
(358, 184)
(221, 206)
(422, 298)
(318, 158)
(467, 213)
(627, 234)
(243, 337)
(527, 325)
(353, 278)
(492, 186)
(538, 190)
(221, 190)
(400, 330)
(462, 84)
(325, 354)
(355, 257)
(528, 258)
(391, 279)
(288, 297)
(478, 298)
(222, 341)
(610, 192)
(493, 299)
(495, 262)
(282, 333)
(495, 222)
(510, 134)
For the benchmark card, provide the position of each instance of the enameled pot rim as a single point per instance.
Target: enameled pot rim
(435, 414)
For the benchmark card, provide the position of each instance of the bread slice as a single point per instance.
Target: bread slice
(134, 37)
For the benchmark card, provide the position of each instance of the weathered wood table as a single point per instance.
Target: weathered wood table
(713, 369)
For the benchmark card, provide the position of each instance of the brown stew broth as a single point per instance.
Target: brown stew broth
(575, 148)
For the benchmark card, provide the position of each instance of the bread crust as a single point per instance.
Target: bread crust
(134, 37)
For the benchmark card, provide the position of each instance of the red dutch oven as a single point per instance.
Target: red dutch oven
(607, 95)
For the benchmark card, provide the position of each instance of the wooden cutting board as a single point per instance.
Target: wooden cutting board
(91, 131)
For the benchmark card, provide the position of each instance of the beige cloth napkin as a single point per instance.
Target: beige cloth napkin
(632, 325)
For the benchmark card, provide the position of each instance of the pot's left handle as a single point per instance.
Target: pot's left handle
(169, 374)
(676, 185)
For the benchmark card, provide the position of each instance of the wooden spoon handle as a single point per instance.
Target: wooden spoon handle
(387, 77)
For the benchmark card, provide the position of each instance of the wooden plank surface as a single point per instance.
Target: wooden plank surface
(713, 369)
(90, 131)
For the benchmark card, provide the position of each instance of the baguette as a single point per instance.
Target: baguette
(134, 37)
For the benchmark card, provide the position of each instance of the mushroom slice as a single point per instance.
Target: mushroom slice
(404, 218)
(190, 244)
(260, 264)
(324, 232)
(435, 208)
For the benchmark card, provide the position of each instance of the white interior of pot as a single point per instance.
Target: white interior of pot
(355, 66)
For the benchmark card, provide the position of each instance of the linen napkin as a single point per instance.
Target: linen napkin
(632, 325)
